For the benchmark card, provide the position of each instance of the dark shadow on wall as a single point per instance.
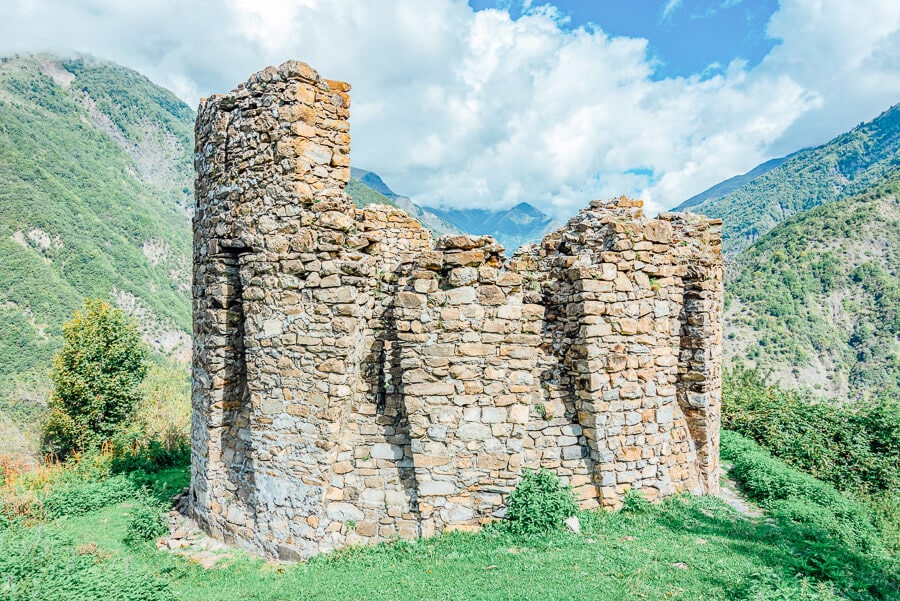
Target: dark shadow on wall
(236, 442)
(384, 374)
(694, 377)
(560, 380)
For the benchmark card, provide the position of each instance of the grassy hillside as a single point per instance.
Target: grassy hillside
(95, 186)
(362, 195)
(847, 165)
(817, 299)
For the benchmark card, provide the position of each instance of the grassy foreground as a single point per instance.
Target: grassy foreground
(685, 548)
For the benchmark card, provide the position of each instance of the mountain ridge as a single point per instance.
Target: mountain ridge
(513, 227)
(520, 224)
(732, 183)
(847, 165)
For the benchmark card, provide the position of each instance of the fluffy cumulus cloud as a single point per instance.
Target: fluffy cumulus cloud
(475, 109)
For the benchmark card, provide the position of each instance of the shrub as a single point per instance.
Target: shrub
(79, 498)
(96, 377)
(148, 456)
(539, 504)
(800, 498)
(164, 412)
(635, 502)
(855, 448)
(148, 519)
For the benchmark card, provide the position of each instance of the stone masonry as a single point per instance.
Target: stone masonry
(353, 380)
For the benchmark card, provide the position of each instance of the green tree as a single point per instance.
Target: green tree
(96, 377)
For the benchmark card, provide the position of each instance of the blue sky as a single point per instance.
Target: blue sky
(686, 37)
(488, 103)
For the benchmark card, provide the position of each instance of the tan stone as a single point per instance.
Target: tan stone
(657, 230)
(332, 366)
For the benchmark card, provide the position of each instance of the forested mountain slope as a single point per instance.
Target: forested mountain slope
(848, 165)
(731, 184)
(95, 195)
(817, 299)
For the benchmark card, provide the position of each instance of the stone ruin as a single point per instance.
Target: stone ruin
(354, 381)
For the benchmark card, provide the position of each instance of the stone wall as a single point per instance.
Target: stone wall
(354, 380)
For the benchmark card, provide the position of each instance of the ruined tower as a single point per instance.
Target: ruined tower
(354, 380)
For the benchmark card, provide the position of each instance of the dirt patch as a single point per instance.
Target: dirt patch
(732, 494)
(187, 540)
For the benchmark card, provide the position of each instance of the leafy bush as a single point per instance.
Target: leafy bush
(96, 377)
(164, 411)
(855, 448)
(800, 498)
(539, 504)
(79, 498)
(148, 456)
(635, 502)
(158, 435)
(148, 519)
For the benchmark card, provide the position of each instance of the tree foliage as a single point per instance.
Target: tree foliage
(96, 377)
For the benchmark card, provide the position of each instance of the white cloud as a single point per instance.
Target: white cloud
(669, 8)
(477, 109)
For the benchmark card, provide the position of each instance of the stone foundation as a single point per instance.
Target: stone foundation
(353, 380)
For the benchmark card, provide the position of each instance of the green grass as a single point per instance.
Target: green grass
(686, 548)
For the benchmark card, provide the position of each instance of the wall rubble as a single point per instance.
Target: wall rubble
(354, 380)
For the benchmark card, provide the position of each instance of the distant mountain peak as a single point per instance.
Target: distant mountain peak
(511, 227)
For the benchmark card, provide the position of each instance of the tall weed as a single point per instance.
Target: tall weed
(539, 504)
(42, 563)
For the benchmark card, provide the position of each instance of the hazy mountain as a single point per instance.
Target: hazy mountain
(368, 186)
(847, 165)
(511, 227)
(95, 190)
